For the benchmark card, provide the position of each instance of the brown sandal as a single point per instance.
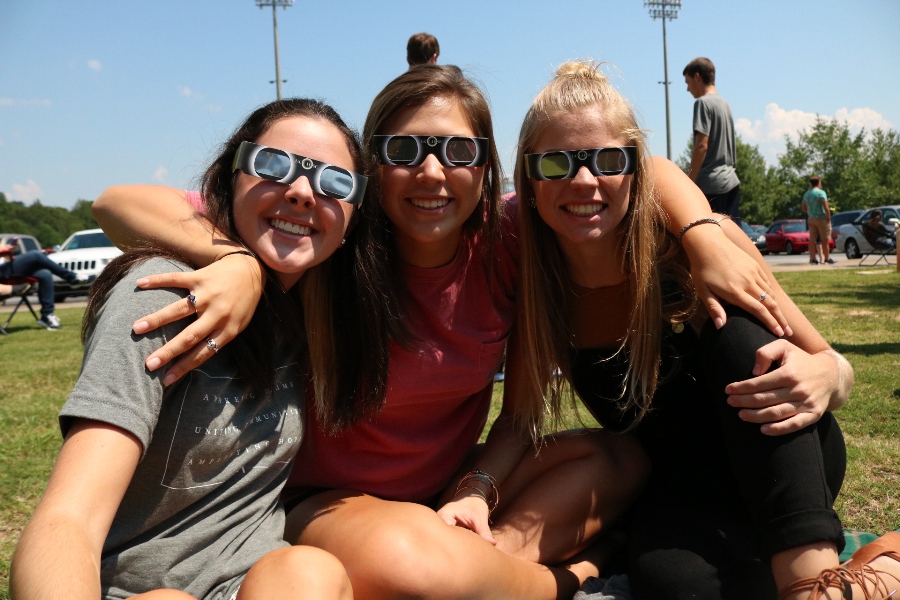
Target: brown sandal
(856, 570)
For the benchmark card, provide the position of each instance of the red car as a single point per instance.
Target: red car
(790, 236)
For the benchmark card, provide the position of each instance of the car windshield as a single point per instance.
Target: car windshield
(794, 227)
(88, 240)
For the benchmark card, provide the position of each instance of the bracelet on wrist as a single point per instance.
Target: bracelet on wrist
(245, 252)
(485, 479)
(700, 222)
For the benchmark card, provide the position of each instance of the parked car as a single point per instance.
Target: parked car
(847, 216)
(789, 236)
(87, 253)
(26, 242)
(759, 239)
(850, 238)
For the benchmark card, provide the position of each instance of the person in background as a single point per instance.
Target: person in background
(818, 213)
(36, 264)
(713, 156)
(422, 48)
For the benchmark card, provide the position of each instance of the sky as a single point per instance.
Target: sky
(97, 93)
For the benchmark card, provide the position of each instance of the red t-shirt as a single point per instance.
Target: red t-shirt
(437, 398)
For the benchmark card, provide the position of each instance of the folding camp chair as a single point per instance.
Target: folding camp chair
(883, 244)
(23, 295)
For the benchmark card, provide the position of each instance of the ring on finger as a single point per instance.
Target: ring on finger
(763, 296)
(193, 301)
(212, 345)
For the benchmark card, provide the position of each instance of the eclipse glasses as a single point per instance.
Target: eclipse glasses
(450, 150)
(280, 166)
(564, 164)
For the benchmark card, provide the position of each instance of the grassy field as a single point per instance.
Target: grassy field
(857, 311)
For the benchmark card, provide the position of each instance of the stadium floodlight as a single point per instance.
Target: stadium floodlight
(275, 4)
(667, 10)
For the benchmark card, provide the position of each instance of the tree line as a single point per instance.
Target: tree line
(51, 225)
(858, 171)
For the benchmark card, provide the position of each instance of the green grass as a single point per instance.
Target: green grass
(856, 312)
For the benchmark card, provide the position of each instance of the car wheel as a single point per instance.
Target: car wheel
(59, 298)
(789, 247)
(851, 248)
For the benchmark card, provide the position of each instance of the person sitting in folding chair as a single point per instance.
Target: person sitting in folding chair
(882, 238)
(35, 264)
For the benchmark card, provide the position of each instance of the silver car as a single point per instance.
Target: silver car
(851, 240)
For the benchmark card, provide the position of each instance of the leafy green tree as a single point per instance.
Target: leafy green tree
(51, 225)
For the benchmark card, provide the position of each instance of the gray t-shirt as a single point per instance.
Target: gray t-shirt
(202, 506)
(712, 117)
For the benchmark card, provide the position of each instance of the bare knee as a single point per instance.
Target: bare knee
(411, 557)
(620, 458)
(297, 572)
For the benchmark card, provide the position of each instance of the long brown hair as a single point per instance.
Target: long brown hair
(377, 253)
(650, 253)
(335, 356)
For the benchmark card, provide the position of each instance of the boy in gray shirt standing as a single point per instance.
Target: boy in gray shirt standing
(713, 157)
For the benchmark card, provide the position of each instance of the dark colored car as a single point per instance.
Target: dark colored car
(847, 216)
(759, 238)
(789, 236)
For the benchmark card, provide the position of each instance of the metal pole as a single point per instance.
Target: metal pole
(277, 62)
(666, 84)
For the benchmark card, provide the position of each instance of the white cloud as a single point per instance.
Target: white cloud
(185, 91)
(94, 64)
(24, 102)
(160, 174)
(769, 132)
(27, 193)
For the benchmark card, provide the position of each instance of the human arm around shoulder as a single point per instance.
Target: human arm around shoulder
(719, 268)
(226, 290)
(58, 555)
(811, 377)
(503, 451)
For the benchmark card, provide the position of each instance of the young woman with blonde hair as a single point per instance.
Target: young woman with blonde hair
(733, 509)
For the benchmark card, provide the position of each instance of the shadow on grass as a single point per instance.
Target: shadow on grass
(882, 298)
(868, 349)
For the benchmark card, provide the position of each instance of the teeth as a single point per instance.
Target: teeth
(584, 209)
(283, 225)
(430, 203)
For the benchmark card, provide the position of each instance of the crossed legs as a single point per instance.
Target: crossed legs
(552, 506)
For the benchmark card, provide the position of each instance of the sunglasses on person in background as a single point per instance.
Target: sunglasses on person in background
(280, 166)
(450, 150)
(564, 164)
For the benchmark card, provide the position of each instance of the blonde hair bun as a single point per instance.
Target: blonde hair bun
(581, 69)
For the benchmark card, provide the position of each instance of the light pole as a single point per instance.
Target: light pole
(665, 10)
(275, 4)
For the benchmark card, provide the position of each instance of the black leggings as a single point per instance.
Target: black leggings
(721, 503)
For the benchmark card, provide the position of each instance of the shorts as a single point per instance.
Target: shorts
(819, 230)
(727, 203)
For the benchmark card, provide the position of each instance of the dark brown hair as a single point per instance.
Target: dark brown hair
(815, 180)
(420, 48)
(705, 67)
(335, 354)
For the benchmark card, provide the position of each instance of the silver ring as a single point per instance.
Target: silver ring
(193, 300)
(763, 296)
(212, 345)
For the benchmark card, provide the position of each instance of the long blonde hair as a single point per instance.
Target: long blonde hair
(650, 253)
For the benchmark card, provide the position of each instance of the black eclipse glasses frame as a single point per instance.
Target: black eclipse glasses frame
(281, 166)
(564, 164)
(450, 150)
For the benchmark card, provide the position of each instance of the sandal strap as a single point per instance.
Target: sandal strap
(842, 578)
(887, 545)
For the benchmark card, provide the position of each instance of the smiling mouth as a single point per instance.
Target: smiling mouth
(430, 203)
(282, 225)
(585, 210)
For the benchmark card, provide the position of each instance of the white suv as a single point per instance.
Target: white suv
(87, 253)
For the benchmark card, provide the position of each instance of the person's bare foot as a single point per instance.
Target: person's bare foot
(590, 561)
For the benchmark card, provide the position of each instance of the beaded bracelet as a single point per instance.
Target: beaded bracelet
(247, 252)
(700, 222)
